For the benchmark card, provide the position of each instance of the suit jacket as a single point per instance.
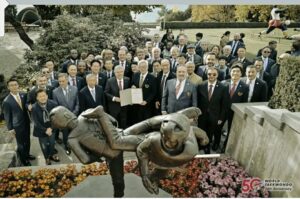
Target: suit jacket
(198, 49)
(273, 54)
(173, 65)
(245, 63)
(184, 49)
(54, 83)
(105, 73)
(80, 83)
(270, 63)
(196, 58)
(260, 91)
(15, 117)
(241, 92)
(150, 64)
(215, 108)
(128, 71)
(40, 127)
(86, 100)
(55, 74)
(159, 95)
(239, 44)
(112, 90)
(149, 87)
(64, 66)
(72, 104)
(202, 72)
(31, 96)
(187, 98)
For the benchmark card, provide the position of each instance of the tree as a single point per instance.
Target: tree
(49, 12)
(175, 16)
(10, 16)
(213, 13)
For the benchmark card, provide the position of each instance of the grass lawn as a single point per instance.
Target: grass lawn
(252, 41)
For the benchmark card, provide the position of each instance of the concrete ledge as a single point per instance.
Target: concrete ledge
(256, 113)
(292, 120)
(239, 108)
(273, 116)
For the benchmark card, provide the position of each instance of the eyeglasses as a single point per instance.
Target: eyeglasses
(267, 52)
(211, 74)
(45, 72)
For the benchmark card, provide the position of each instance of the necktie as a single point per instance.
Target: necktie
(174, 64)
(66, 94)
(232, 90)
(93, 94)
(120, 85)
(108, 75)
(141, 81)
(210, 92)
(19, 101)
(234, 47)
(122, 64)
(178, 88)
(74, 82)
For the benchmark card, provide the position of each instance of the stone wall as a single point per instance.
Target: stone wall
(266, 142)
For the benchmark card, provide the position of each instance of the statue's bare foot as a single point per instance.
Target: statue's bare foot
(93, 112)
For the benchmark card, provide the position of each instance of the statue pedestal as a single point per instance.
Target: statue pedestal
(101, 187)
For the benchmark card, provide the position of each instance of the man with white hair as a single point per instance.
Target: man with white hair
(157, 43)
(174, 55)
(122, 62)
(227, 53)
(182, 41)
(235, 44)
(147, 83)
(112, 91)
(155, 57)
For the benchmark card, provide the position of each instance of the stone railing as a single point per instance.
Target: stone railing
(266, 142)
(8, 146)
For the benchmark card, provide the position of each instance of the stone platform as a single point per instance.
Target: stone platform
(101, 187)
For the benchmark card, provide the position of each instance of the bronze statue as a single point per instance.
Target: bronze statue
(166, 140)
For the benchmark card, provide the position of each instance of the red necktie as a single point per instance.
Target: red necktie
(232, 90)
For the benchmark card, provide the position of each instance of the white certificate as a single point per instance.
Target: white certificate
(131, 96)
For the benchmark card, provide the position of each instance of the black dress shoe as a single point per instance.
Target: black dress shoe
(68, 151)
(215, 147)
(31, 157)
(207, 150)
(55, 151)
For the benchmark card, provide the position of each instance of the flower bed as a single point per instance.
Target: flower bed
(199, 178)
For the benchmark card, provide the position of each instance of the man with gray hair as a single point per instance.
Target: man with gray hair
(147, 83)
(235, 44)
(227, 53)
(112, 92)
(179, 93)
(174, 62)
(155, 57)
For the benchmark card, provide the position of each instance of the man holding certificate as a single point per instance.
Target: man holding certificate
(112, 91)
(147, 83)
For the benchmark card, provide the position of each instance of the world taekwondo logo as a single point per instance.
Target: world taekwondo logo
(252, 184)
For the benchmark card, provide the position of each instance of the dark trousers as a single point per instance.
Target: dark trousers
(211, 128)
(65, 137)
(47, 145)
(23, 142)
(144, 112)
(121, 117)
(115, 166)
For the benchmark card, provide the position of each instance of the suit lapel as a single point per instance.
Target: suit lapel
(15, 102)
(145, 80)
(184, 88)
(63, 95)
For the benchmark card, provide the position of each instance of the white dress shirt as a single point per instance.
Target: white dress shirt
(213, 87)
(181, 87)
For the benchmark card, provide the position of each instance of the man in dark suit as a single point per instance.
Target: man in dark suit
(213, 100)
(73, 79)
(91, 95)
(112, 92)
(182, 41)
(235, 44)
(157, 43)
(263, 75)
(50, 65)
(258, 89)
(238, 92)
(179, 93)
(198, 47)
(147, 82)
(67, 96)
(50, 82)
(108, 66)
(42, 125)
(268, 62)
(95, 70)
(162, 79)
(17, 120)
(41, 83)
(73, 59)
(210, 61)
(156, 52)
(273, 55)
(174, 59)
(241, 57)
(122, 62)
